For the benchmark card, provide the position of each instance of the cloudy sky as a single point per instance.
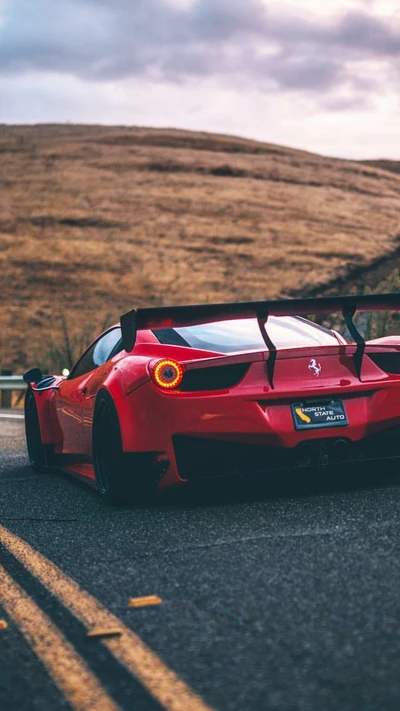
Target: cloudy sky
(317, 74)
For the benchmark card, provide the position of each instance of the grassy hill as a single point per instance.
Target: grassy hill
(391, 165)
(94, 220)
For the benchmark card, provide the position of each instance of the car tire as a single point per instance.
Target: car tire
(122, 477)
(38, 452)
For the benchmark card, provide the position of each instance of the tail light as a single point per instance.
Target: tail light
(171, 375)
(167, 374)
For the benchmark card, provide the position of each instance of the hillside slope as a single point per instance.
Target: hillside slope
(392, 165)
(94, 220)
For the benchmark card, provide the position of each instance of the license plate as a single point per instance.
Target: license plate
(309, 415)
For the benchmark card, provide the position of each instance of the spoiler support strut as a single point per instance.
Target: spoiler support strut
(262, 321)
(128, 330)
(357, 337)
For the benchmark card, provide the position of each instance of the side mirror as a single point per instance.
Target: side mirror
(34, 375)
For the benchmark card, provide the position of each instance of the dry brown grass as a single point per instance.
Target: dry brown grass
(391, 165)
(94, 220)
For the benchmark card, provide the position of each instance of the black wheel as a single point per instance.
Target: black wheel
(122, 478)
(38, 452)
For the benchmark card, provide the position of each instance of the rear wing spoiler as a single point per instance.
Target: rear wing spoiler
(176, 316)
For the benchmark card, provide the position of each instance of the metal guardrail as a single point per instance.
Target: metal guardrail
(12, 382)
(8, 384)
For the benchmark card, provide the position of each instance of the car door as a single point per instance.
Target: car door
(68, 402)
(76, 395)
(108, 345)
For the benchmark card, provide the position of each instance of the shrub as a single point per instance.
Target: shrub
(63, 350)
(372, 324)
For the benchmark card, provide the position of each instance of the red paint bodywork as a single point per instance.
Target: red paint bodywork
(251, 412)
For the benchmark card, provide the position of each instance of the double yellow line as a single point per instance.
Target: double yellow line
(68, 670)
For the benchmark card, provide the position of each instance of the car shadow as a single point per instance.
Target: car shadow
(300, 483)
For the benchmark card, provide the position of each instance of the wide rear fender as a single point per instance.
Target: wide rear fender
(49, 428)
(127, 375)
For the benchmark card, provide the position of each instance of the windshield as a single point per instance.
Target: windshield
(244, 335)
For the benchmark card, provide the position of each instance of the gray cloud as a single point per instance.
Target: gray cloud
(304, 73)
(363, 32)
(355, 102)
(235, 40)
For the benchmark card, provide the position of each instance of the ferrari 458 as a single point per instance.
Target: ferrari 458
(174, 395)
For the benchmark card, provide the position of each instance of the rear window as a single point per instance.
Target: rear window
(244, 335)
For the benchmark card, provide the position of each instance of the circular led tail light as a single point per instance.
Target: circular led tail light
(168, 374)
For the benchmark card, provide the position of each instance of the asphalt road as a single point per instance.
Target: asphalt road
(284, 598)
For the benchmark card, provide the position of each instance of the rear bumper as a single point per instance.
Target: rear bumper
(198, 458)
(247, 431)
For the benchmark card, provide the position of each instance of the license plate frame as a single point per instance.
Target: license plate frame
(311, 415)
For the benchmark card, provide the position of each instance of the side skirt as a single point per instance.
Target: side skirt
(78, 465)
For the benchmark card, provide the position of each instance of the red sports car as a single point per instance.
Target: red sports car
(173, 395)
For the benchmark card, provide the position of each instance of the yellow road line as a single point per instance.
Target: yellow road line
(64, 665)
(160, 681)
